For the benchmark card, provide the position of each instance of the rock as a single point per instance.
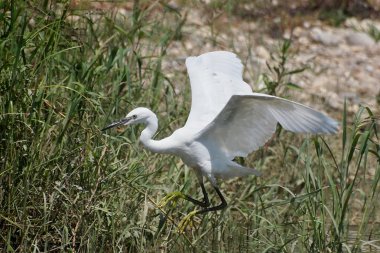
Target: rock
(262, 53)
(321, 82)
(369, 68)
(298, 31)
(326, 38)
(352, 23)
(286, 35)
(362, 25)
(306, 57)
(359, 39)
(333, 101)
(304, 40)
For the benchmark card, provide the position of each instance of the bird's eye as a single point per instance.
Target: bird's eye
(134, 116)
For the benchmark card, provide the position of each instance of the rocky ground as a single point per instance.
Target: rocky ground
(342, 62)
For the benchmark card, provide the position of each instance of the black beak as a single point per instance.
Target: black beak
(117, 123)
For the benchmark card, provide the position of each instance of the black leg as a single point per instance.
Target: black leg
(215, 208)
(206, 201)
(185, 221)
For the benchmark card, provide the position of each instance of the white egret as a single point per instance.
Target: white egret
(226, 120)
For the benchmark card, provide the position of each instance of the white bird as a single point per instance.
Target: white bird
(226, 120)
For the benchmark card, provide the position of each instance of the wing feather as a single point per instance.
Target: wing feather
(214, 78)
(248, 121)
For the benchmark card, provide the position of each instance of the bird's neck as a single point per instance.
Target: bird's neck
(148, 133)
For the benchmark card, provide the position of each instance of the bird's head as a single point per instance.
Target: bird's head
(136, 116)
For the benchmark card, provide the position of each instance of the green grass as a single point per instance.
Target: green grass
(65, 186)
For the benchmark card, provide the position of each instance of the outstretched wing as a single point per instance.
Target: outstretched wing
(248, 121)
(214, 78)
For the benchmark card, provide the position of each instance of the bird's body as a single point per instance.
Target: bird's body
(226, 120)
(196, 154)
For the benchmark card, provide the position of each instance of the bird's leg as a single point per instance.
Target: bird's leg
(173, 196)
(215, 208)
(206, 201)
(188, 218)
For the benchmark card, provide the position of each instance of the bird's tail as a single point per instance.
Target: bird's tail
(238, 170)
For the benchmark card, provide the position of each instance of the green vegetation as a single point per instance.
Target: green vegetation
(335, 17)
(67, 187)
(374, 33)
(279, 81)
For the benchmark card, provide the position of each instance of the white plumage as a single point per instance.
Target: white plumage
(226, 120)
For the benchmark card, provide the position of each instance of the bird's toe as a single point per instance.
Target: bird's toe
(186, 221)
(171, 197)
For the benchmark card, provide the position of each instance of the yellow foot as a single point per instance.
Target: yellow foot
(173, 196)
(187, 220)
